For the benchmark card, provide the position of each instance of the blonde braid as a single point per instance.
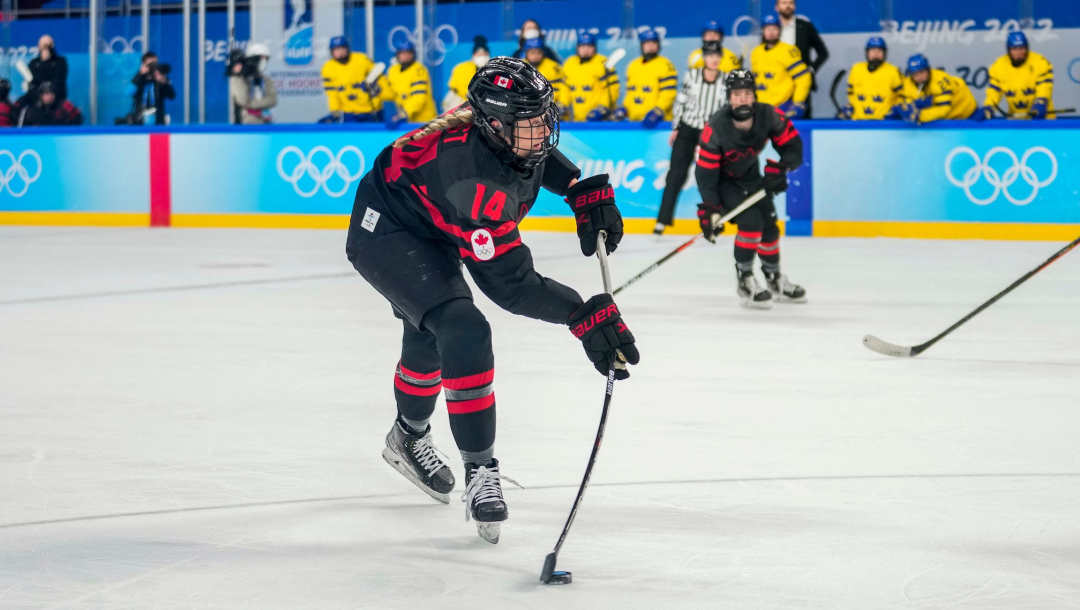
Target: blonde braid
(460, 116)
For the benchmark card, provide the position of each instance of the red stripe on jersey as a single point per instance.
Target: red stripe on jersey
(456, 407)
(420, 376)
(789, 133)
(708, 165)
(500, 249)
(413, 390)
(412, 155)
(440, 222)
(470, 381)
(709, 155)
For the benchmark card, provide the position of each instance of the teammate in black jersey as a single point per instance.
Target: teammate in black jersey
(727, 173)
(453, 192)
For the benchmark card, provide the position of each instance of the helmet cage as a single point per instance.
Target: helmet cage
(505, 91)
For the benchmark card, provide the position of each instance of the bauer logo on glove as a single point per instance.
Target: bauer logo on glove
(593, 203)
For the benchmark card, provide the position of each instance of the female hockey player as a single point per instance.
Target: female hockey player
(727, 173)
(454, 191)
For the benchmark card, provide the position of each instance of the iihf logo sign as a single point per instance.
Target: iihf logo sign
(482, 245)
(307, 178)
(1001, 181)
(298, 30)
(15, 172)
(504, 82)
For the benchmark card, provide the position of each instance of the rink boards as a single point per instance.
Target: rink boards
(1003, 180)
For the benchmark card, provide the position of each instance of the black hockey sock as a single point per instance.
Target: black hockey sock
(468, 368)
(769, 250)
(746, 244)
(417, 380)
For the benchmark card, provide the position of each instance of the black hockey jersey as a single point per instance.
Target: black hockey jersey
(450, 187)
(727, 165)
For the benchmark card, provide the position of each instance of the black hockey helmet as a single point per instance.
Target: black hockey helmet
(5, 89)
(507, 89)
(712, 47)
(740, 79)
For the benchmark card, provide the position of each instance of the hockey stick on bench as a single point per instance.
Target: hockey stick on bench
(548, 575)
(749, 201)
(900, 351)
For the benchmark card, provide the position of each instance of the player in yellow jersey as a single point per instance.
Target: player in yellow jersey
(933, 95)
(458, 87)
(1025, 79)
(652, 82)
(350, 98)
(412, 86)
(593, 88)
(874, 86)
(728, 61)
(549, 69)
(783, 78)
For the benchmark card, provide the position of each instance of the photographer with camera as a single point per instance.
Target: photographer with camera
(152, 88)
(252, 95)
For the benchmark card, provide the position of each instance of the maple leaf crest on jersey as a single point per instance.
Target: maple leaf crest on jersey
(481, 245)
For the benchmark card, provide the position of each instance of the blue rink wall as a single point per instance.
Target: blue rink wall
(1000, 180)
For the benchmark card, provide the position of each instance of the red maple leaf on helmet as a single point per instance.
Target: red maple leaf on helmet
(481, 239)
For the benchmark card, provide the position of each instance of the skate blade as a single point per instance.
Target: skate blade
(489, 531)
(784, 299)
(748, 304)
(395, 462)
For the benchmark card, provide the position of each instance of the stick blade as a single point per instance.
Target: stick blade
(887, 349)
(549, 567)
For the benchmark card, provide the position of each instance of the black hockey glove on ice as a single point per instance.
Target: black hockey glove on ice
(775, 176)
(593, 202)
(599, 325)
(709, 215)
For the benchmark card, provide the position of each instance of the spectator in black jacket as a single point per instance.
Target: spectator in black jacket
(530, 28)
(49, 109)
(49, 67)
(800, 31)
(152, 88)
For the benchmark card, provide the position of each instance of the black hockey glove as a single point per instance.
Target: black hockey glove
(775, 176)
(709, 215)
(599, 325)
(593, 202)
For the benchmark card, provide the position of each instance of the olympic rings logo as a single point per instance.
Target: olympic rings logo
(1001, 182)
(119, 44)
(435, 47)
(305, 166)
(18, 169)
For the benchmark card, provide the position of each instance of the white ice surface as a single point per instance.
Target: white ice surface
(193, 419)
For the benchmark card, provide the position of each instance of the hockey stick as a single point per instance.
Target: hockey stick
(900, 351)
(832, 91)
(749, 201)
(548, 575)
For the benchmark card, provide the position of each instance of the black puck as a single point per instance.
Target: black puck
(559, 578)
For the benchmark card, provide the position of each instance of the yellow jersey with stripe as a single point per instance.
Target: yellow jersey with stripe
(343, 82)
(872, 95)
(590, 85)
(412, 91)
(1021, 86)
(650, 84)
(780, 73)
(728, 61)
(949, 97)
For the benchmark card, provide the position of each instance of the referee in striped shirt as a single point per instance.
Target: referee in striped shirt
(701, 96)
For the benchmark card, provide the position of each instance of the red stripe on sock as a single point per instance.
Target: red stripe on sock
(472, 381)
(420, 376)
(742, 244)
(749, 235)
(412, 390)
(455, 407)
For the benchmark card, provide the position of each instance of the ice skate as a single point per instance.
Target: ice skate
(751, 294)
(784, 291)
(415, 457)
(658, 230)
(484, 499)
